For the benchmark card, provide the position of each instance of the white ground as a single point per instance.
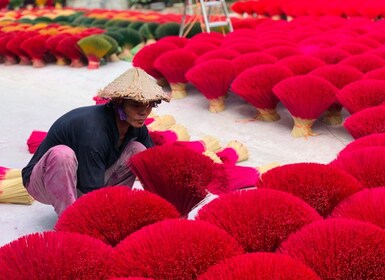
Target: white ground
(35, 98)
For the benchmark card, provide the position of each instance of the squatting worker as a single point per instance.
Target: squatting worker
(89, 147)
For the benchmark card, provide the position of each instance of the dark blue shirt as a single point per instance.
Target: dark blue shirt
(91, 132)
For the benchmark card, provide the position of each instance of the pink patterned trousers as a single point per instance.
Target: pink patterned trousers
(53, 179)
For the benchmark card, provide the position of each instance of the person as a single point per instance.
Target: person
(89, 147)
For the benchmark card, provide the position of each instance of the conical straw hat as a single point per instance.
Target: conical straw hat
(135, 84)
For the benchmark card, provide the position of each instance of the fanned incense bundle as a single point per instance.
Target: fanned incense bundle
(35, 48)
(94, 47)
(112, 53)
(372, 140)
(340, 76)
(321, 186)
(68, 47)
(301, 64)
(212, 38)
(220, 53)
(255, 86)
(173, 249)
(178, 174)
(213, 79)
(176, 40)
(173, 65)
(199, 48)
(244, 48)
(167, 29)
(353, 48)
(146, 57)
(331, 55)
(234, 152)
(366, 122)
(228, 178)
(147, 31)
(35, 139)
(249, 60)
(362, 94)
(160, 123)
(262, 266)
(131, 39)
(367, 165)
(306, 98)
(258, 219)
(124, 212)
(208, 143)
(376, 74)
(51, 44)
(367, 205)
(281, 52)
(11, 187)
(9, 57)
(57, 255)
(14, 45)
(364, 62)
(330, 247)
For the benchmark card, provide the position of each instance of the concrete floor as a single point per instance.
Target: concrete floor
(35, 98)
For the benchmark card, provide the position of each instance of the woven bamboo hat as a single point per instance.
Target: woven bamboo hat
(135, 84)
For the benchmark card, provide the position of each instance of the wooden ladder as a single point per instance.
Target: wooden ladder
(206, 11)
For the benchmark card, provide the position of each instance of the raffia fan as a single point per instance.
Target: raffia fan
(11, 187)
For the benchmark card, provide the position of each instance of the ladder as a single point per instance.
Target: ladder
(206, 11)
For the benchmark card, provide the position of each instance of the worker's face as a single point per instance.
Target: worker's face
(136, 112)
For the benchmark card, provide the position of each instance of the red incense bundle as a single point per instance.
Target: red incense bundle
(364, 62)
(339, 243)
(234, 152)
(35, 139)
(213, 79)
(173, 249)
(362, 94)
(260, 266)
(255, 86)
(321, 186)
(258, 218)
(301, 64)
(51, 46)
(340, 76)
(367, 205)
(124, 212)
(366, 122)
(68, 47)
(221, 53)
(35, 48)
(249, 60)
(173, 65)
(306, 97)
(146, 57)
